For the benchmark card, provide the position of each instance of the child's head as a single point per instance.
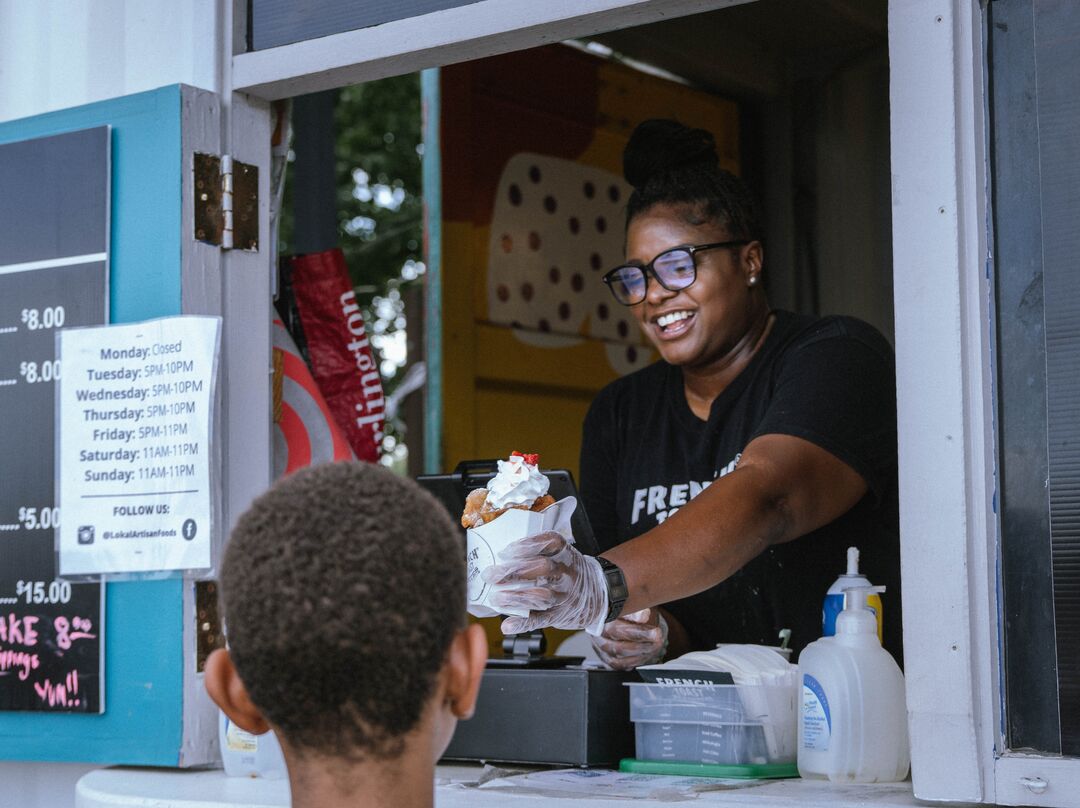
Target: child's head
(344, 601)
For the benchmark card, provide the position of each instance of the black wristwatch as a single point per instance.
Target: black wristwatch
(617, 593)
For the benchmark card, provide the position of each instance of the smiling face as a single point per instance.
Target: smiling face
(708, 322)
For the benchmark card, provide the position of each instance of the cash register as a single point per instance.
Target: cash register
(534, 707)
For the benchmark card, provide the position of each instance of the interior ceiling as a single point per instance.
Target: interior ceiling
(758, 49)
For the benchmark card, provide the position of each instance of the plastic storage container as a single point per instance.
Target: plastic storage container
(721, 724)
(853, 726)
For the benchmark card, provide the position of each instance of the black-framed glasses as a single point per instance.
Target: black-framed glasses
(673, 269)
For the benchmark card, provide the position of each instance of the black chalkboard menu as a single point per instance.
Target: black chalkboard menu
(54, 230)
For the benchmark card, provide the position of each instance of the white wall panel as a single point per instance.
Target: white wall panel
(64, 53)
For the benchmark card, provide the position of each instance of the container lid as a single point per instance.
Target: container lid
(748, 771)
(706, 687)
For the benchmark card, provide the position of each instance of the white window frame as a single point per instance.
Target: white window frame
(943, 300)
(949, 528)
(472, 31)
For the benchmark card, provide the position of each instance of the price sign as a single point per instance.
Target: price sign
(53, 274)
(49, 317)
(134, 416)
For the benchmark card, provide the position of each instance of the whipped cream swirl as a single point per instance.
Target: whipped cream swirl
(517, 483)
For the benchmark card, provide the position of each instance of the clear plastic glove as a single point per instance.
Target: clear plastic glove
(557, 584)
(632, 640)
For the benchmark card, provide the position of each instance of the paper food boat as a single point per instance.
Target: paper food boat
(484, 543)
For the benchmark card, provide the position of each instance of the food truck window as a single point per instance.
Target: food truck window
(797, 103)
(531, 207)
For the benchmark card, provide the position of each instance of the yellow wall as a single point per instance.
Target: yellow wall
(530, 333)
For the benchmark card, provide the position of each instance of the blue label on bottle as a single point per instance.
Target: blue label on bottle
(834, 604)
(816, 718)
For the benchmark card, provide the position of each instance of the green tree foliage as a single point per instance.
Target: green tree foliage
(379, 178)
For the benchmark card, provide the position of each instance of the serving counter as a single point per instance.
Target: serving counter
(466, 786)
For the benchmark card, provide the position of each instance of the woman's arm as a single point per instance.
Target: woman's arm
(837, 391)
(783, 488)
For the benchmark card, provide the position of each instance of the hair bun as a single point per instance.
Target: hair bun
(660, 145)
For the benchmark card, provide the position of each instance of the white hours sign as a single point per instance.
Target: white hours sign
(134, 415)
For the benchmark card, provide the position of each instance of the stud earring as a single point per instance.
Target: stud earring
(752, 281)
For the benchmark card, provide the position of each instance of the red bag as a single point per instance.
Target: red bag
(341, 358)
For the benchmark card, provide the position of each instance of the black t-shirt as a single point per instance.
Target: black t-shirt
(830, 381)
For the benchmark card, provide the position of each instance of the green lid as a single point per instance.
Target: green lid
(748, 771)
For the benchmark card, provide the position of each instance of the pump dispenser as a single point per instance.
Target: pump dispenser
(834, 598)
(858, 617)
(853, 722)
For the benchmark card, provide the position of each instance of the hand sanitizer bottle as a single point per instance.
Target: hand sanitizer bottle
(834, 598)
(853, 722)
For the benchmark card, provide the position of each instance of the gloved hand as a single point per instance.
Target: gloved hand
(633, 640)
(547, 575)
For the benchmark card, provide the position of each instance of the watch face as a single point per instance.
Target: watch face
(616, 582)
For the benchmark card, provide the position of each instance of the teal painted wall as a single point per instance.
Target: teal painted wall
(143, 719)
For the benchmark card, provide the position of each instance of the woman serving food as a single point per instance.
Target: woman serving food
(725, 481)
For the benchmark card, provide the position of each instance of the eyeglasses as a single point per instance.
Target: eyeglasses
(673, 269)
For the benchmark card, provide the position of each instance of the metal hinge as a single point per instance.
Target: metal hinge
(226, 202)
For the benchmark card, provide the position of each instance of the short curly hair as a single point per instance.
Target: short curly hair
(342, 587)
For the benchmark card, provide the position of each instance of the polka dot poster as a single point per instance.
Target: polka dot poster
(556, 228)
(532, 212)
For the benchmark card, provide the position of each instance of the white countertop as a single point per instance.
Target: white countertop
(457, 787)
